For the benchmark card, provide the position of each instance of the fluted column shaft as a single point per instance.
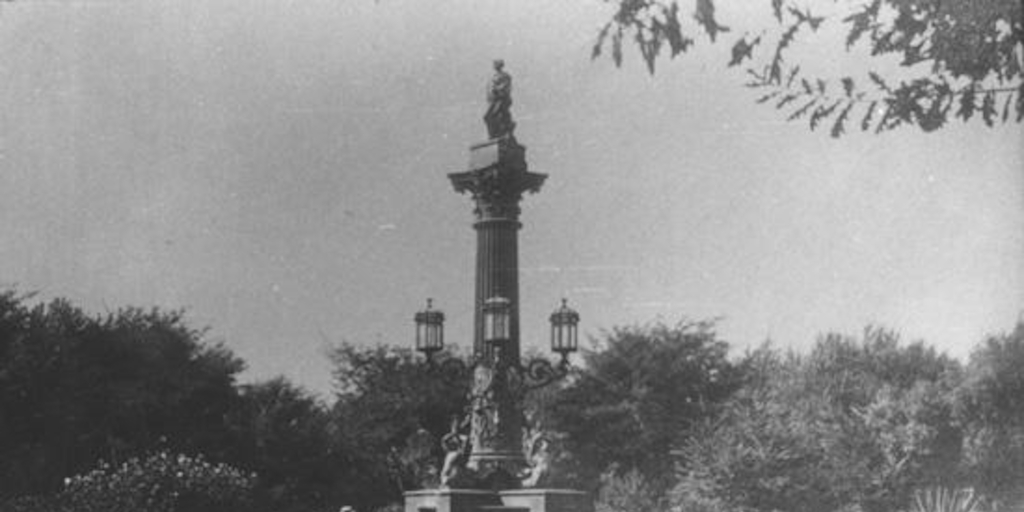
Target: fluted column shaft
(497, 275)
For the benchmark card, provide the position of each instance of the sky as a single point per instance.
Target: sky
(277, 168)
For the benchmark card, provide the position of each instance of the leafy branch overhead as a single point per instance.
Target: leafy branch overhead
(956, 58)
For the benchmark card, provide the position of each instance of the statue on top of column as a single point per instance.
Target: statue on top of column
(499, 100)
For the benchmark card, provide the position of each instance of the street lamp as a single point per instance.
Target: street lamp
(526, 374)
(563, 331)
(429, 330)
(497, 321)
(487, 468)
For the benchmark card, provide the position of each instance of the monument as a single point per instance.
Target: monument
(486, 468)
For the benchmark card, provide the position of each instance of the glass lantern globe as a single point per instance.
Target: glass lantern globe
(429, 330)
(497, 320)
(563, 330)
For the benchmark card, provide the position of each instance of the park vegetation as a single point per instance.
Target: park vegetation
(136, 410)
(920, 63)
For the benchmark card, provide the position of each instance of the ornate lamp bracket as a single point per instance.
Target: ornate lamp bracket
(453, 371)
(536, 373)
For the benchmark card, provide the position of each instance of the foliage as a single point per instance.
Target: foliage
(642, 389)
(942, 499)
(392, 408)
(961, 58)
(76, 388)
(159, 483)
(287, 437)
(46, 503)
(627, 492)
(856, 423)
(990, 408)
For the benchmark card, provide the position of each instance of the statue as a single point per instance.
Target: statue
(454, 472)
(540, 464)
(499, 99)
(537, 449)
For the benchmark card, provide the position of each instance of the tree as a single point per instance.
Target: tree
(75, 389)
(990, 406)
(958, 58)
(642, 390)
(287, 437)
(856, 423)
(390, 409)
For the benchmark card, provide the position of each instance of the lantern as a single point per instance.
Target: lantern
(497, 320)
(563, 330)
(429, 330)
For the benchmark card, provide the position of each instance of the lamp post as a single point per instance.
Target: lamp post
(526, 374)
(485, 467)
(500, 381)
(496, 179)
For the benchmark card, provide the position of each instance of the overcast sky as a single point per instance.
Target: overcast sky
(279, 169)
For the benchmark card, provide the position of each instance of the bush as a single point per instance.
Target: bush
(856, 425)
(941, 499)
(628, 492)
(159, 483)
(31, 504)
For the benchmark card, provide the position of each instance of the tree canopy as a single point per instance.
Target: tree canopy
(393, 409)
(859, 422)
(990, 408)
(641, 389)
(81, 395)
(103, 409)
(959, 60)
(76, 388)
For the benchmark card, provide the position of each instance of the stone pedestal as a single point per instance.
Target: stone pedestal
(547, 500)
(449, 500)
(519, 500)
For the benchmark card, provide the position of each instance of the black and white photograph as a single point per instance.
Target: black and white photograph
(511, 256)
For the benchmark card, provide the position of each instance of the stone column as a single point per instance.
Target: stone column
(497, 178)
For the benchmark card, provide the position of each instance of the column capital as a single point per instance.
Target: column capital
(497, 178)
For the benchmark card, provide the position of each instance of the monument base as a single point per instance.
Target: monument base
(518, 500)
(547, 500)
(449, 500)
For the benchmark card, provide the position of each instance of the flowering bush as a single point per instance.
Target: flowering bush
(159, 483)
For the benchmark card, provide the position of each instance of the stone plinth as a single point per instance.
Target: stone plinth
(519, 500)
(547, 500)
(503, 152)
(449, 500)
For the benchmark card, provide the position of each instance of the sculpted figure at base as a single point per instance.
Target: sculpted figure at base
(498, 118)
(454, 472)
(540, 462)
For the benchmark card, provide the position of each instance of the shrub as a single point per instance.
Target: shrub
(941, 499)
(159, 483)
(627, 492)
(31, 504)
